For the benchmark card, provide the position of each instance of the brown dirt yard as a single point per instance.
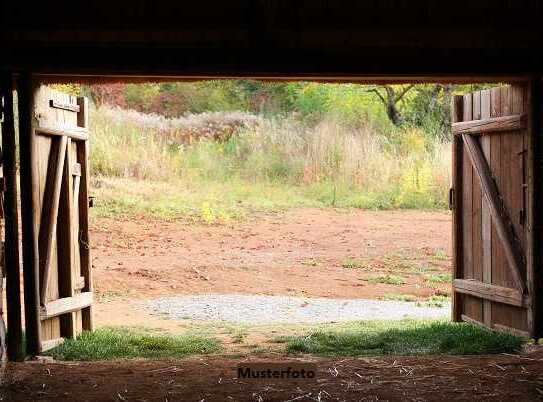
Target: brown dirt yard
(301, 252)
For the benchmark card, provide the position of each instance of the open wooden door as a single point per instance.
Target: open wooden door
(493, 209)
(54, 206)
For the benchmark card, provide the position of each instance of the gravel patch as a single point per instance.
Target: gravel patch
(259, 309)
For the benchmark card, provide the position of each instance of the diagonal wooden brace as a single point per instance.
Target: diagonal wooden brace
(499, 215)
(48, 224)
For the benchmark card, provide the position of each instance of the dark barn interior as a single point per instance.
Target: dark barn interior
(379, 41)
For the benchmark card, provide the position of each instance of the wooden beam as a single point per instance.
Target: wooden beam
(11, 218)
(488, 291)
(501, 220)
(496, 327)
(75, 133)
(51, 343)
(457, 168)
(472, 321)
(65, 106)
(490, 125)
(486, 218)
(66, 305)
(29, 198)
(517, 332)
(48, 225)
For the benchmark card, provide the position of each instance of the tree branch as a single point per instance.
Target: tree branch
(379, 95)
(405, 90)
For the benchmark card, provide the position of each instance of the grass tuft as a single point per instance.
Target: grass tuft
(123, 343)
(353, 263)
(438, 278)
(387, 279)
(407, 337)
(435, 301)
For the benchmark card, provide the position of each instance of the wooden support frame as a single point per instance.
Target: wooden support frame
(72, 132)
(48, 225)
(66, 305)
(500, 218)
(490, 125)
(488, 291)
(11, 218)
(50, 344)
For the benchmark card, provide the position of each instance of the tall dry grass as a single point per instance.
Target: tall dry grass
(329, 163)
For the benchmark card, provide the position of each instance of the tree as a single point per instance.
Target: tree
(390, 97)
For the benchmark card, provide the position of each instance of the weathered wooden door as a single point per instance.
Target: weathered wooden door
(492, 203)
(54, 198)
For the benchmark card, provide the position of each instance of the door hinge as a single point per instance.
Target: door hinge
(91, 201)
(451, 199)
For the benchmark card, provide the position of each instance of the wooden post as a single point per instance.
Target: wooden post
(29, 197)
(83, 200)
(458, 259)
(11, 217)
(534, 255)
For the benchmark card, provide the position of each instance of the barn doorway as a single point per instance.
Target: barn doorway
(486, 284)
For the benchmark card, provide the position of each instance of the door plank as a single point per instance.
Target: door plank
(471, 305)
(66, 280)
(476, 311)
(486, 218)
(457, 221)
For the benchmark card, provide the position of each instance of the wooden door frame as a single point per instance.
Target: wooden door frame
(535, 197)
(27, 158)
(26, 87)
(11, 219)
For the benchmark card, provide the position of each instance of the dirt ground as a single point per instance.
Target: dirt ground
(304, 252)
(486, 378)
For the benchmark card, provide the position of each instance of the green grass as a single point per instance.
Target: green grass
(387, 279)
(441, 255)
(435, 301)
(123, 343)
(353, 263)
(407, 337)
(438, 278)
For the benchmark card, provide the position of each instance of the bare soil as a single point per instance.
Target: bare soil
(302, 252)
(486, 378)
